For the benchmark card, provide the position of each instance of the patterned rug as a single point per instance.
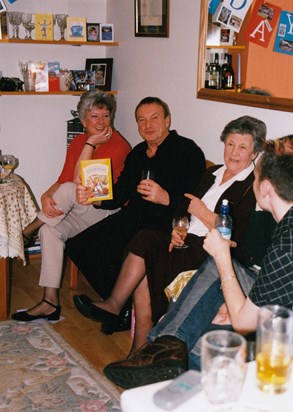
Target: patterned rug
(40, 372)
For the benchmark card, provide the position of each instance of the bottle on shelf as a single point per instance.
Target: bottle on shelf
(215, 73)
(227, 73)
(224, 221)
(207, 75)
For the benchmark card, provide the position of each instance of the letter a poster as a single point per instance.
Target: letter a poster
(263, 20)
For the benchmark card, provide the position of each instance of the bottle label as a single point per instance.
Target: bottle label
(225, 232)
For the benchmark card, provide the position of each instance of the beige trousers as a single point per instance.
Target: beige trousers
(56, 231)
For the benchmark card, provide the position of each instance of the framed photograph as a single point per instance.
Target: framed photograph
(103, 72)
(92, 32)
(226, 38)
(151, 18)
(82, 80)
(106, 32)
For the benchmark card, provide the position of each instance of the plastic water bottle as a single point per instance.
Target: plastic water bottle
(224, 221)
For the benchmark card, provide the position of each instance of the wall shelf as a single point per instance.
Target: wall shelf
(235, 47)
(72, 92)
(59, 42)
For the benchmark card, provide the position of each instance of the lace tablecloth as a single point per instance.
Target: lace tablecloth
(17, 210)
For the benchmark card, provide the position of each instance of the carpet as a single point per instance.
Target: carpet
(40, 372)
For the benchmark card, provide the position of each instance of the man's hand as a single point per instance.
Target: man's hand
(153, 192)
(82, 194)
(216, 245)
(222, 317)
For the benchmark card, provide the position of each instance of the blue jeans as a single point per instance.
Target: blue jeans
(191, 315)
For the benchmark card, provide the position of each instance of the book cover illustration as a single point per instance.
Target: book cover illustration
(38, 71)
(44, 27)
(76, 29)
(284, 37)
(54, 76)
(97, 174)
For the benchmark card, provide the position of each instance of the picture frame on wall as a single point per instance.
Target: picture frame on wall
(103, 72)
(151, 18)
(106, 32)
(92, 32)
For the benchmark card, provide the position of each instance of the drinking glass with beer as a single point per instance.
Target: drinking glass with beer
(274, 348)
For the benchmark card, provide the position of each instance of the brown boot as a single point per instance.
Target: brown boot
(163, 359)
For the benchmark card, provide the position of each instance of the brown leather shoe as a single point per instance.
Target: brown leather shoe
(163, 359)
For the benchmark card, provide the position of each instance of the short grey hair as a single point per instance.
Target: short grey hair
(247, 125)
(96, 98)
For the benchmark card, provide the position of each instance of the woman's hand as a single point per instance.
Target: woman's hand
(177, 239)
(49, 207)
(100, 138)
(82, 194)
(153, 192)
(196, 206)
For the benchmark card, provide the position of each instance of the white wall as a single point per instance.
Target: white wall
(167, 67)
(34, 127)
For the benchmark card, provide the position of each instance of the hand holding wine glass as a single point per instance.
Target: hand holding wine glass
(180, 225)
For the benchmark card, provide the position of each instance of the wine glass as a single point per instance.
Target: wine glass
(14, 18)
(9, 163)
(181, 224)
(62, 24)
(26, 20)
(1, 169)
(147, 174)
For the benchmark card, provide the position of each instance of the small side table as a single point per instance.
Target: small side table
(17, 210)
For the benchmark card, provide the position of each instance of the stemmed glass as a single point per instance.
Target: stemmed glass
(1, 169)
(8, 163)
(62, 24)
(26, 20)
(181, 224)
(14, 18)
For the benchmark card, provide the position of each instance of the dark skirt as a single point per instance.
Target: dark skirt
(162, 266)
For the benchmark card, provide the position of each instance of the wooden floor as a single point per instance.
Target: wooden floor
(81, 333)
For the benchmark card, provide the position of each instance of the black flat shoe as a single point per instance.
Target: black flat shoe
(25, 317)
(29, 241)
(85, 306)
(123, 324)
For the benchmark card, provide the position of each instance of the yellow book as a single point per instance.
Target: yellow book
(44, 27)
(76, 29)
(97, 174)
